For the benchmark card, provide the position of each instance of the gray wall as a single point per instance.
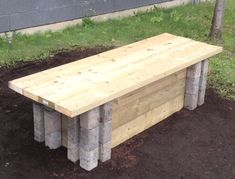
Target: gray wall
(19, 14)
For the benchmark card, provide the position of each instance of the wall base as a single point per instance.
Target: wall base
(99, 18)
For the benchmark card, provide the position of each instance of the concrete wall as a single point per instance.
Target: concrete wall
(21, 14)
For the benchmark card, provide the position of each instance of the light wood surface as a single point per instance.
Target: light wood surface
(147, 120)
(79, 86)
(143, 100)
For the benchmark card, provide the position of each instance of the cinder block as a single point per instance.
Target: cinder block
(52, 128)
(205, 67)
(106, 112)
(73, 139)
(90, 119)
(105, 134)
(89, 138)
(203, 82)
(192, 86)
(88, 159)
(73, 130)
(53, 140)
(190, 101)
(105, 151)
(194, 71)
(38, 117)
(73, 152)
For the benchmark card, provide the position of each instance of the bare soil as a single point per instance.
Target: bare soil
(190, 144)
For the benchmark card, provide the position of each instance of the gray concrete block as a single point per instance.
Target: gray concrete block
(90, 119)
(205, 67)
(73, 130)
(106, 112)
(53, 140)
(89, 159)
(203, 82)
(194, 71)
(201, 97)
(89, 138)
(192, 86)
(105, 134)
(190, 101)
(52, 129)
(73, 139)
(38, 118)
(105, 151)
(73, 151)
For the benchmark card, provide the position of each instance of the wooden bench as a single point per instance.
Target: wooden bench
(94, 104)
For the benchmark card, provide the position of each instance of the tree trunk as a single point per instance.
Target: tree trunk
(217, 22)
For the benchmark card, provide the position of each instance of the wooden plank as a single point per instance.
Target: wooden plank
(70, 68)
(65, 81)
(125, 113)
(145, 121)
(73, 90)
(103, 89)
(149, 89)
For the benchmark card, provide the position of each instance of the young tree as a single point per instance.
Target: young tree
(217, 21)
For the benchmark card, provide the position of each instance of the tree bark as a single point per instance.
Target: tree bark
(217, 21)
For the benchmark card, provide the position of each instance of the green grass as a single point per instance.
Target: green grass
(191, 21)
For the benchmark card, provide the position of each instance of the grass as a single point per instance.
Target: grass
(191, 21)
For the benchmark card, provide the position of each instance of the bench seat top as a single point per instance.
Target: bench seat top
(77, 87)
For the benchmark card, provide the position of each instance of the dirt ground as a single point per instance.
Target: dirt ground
(190, 144)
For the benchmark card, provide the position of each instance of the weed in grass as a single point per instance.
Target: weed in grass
(87, 22)
(157, 18)
(176, 16)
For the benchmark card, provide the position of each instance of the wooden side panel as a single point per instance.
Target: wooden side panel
(145, 99)
(136, 126)
(145, 107)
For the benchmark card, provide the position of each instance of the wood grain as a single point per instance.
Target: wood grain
(145, 99)
(77, 87)
(147, 120)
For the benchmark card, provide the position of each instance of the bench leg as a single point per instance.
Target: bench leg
(192, 86)
(73, 139)
(38, 117)
(202, 83)
(105, 135)
(89, 142)
(52, 128)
